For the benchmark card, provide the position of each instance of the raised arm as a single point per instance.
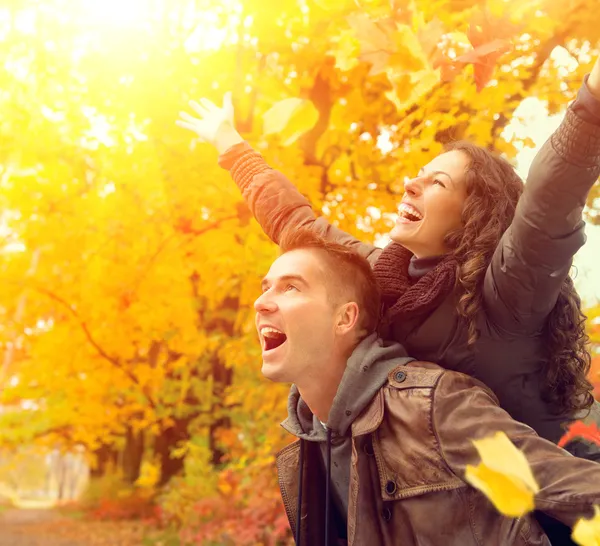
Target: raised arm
(535, 254)
(464, 410)
(274, 201)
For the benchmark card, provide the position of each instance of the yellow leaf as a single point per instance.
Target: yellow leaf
(290, 118)
(376, 45)
(429, 36)
(458, 38)
(149, 475)
(503, 476)
(528, 142)
(506, 494)
(586, 532)
(408, 55)
(333, 5)
(347, 51)
(410, 88)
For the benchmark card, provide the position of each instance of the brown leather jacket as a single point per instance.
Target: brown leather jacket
(410, 447)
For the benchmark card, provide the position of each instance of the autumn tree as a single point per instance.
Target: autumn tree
(129, 263)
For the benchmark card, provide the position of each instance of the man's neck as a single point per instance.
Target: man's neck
(319, 391)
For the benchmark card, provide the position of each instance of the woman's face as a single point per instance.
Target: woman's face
(432, 205)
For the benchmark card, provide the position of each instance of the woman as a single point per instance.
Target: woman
(472, 280)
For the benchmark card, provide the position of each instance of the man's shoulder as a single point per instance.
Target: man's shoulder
(437, 386)
(415, 374)
(423, 374)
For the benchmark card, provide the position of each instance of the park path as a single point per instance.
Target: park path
(47, 527)
(26, 528)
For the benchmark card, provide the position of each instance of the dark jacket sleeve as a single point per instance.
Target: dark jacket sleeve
(535, 254)
(276, 203)
(465, 410)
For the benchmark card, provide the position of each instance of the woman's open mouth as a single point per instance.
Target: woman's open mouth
(272, 338)
(407, 214)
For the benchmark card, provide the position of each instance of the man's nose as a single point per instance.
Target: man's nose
(414, 186)
(265, 304)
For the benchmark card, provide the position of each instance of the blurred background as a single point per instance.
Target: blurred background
(131, 400)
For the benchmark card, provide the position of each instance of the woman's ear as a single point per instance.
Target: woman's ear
(347, 318)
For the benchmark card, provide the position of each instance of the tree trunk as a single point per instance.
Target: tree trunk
(106, 457)
(222, 378)
(132, 455)
(164, 443)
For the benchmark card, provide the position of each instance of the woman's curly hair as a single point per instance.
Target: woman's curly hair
(493, 189)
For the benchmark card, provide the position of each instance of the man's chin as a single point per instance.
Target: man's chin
(273, 373)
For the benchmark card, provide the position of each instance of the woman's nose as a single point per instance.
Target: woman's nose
(414, 186)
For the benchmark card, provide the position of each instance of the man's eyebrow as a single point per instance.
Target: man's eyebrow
(294, 278)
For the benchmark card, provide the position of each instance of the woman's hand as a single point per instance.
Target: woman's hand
(594, 80)
(212, 124)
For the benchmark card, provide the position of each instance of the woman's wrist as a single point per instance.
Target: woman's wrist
(226, 137)
(593, 81)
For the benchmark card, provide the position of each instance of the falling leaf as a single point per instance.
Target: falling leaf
(290, 118)
(386, 43)
(370, 33)
(490, 40)
(409, 88)
(503, 476)
(408, 54)
(586, 532)
(484, 28)
(478, 54)
(376, 46)
(429, 36)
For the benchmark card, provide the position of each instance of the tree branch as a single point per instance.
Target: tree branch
(542, 56)
(186, 230)
(111, 359)
(320, 95)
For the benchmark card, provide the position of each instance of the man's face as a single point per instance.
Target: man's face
(295, 318)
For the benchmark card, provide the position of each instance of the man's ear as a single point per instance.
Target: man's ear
(347, 318)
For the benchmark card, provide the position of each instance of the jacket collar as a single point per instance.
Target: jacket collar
(401, 377)
(370, 418)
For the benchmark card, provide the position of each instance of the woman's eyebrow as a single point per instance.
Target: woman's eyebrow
(422, 171)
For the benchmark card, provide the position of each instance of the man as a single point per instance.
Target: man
(384, 440)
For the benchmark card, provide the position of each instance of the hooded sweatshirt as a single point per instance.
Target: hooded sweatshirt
(366, 372)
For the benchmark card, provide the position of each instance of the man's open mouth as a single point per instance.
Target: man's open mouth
(272, 338)
(410, 213)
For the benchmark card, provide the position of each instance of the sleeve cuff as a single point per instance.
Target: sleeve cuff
(228, 158)
(243, 164)
(577, 140)
(587, 106)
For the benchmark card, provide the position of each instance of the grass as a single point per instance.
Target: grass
(168, 537)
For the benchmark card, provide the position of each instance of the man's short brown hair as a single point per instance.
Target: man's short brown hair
(351, 274)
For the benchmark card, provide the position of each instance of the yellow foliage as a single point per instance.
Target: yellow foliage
(503, 476)
(128, 261)
(290, 119)
(586, 532)
(149, 475)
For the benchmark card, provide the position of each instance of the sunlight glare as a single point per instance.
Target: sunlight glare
(119, 13)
